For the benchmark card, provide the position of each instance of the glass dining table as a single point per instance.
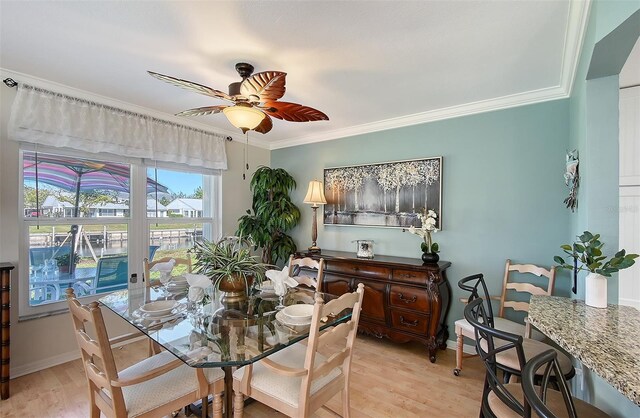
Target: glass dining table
(219, 334)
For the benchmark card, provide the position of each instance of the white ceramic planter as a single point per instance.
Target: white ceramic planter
(596, 290)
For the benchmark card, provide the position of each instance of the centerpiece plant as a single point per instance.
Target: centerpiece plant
(587, 255)
(273, 214)
(429, 248)
(229, 264)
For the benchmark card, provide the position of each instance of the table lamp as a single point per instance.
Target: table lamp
(315, 197)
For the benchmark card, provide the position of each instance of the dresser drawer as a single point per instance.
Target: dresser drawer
(410, 276)
(358, 269)
(409, 298)
(410, 322)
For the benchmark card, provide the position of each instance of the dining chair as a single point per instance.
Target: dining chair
(301, 378)
(295, 268)
(508, 360)
(507, 352)
(508, 301)
(546, 402)
(154, 387)
(147, 265)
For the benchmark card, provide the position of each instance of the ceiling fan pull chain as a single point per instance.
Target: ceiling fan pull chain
(244, 158)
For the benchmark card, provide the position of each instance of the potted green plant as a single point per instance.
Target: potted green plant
(273, 214)
(587, 255)
(230, 265)
(63, 262)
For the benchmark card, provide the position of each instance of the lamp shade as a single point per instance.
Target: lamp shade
(315, 194)
(243, 117)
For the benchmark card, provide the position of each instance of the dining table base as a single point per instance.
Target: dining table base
(227, 408)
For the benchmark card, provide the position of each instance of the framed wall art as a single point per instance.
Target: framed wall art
(390, 194)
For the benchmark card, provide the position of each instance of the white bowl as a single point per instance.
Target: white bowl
(158, 308)
(298, 314)
(291, 326)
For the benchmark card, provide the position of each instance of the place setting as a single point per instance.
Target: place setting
(159, 312)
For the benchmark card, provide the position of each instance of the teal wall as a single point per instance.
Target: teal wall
(594, 116)
(502, 194)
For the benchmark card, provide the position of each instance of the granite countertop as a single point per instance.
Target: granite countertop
(607, 341)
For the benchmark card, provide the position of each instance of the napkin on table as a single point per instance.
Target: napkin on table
(197, 285)
(281, 280)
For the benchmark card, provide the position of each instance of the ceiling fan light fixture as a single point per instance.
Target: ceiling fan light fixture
(243, 117)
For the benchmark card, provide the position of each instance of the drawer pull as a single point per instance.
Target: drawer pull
(409, 324)
(356, 268)
(405, 300)
(407, 275)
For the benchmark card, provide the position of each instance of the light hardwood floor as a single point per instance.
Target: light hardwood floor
(388, 381)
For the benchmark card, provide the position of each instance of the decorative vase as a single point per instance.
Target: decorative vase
(430, 258)
(234, 289)
(595, 291)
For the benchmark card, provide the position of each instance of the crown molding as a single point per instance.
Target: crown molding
(505, 102)
(108, 101)
(577, 20)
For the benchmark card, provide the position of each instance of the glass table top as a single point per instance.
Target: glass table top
(217, 334)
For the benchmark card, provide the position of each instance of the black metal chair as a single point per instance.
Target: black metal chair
(498, 399)
(507, 360)
(546, 402)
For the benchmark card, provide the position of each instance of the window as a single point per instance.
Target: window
(86, 228)
(180, 216)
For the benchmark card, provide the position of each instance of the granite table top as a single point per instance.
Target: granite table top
(607, 341)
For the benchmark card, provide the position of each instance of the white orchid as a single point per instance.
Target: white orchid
(428, 219)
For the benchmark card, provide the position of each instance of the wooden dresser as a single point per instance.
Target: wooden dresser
(404, 300)
(5, 314)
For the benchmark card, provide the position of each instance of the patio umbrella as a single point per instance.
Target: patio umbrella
(77, 175)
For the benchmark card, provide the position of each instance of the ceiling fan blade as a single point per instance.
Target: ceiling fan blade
(293, 112)
(201, 111)
(189, 85)
(265, 86)
(265, 126)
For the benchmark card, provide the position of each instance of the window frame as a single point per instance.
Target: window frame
(137, 222)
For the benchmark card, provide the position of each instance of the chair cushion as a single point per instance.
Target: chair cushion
(555, 403)
(163, 389)
(531, 349)
(283, 388)
(501, 324)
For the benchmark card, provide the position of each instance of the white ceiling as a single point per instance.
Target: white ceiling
(369, 65)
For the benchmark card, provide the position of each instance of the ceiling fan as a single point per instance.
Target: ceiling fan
(254, 100)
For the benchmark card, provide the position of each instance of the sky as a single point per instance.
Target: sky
(176, 181)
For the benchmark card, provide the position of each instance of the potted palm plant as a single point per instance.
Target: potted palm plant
(230, 265)
(587, 255)
(273, 214)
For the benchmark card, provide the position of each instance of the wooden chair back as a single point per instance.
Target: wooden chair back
(336, 344)
(508, 284)
(148, 264)
(295, 266)
(97, 357)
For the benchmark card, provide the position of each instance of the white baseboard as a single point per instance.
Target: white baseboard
(629, 302)
(36, 366)
(466, 348)
(48, 362)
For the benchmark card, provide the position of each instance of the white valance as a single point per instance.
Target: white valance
(47, 118)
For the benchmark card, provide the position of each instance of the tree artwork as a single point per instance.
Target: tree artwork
(385, 194)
